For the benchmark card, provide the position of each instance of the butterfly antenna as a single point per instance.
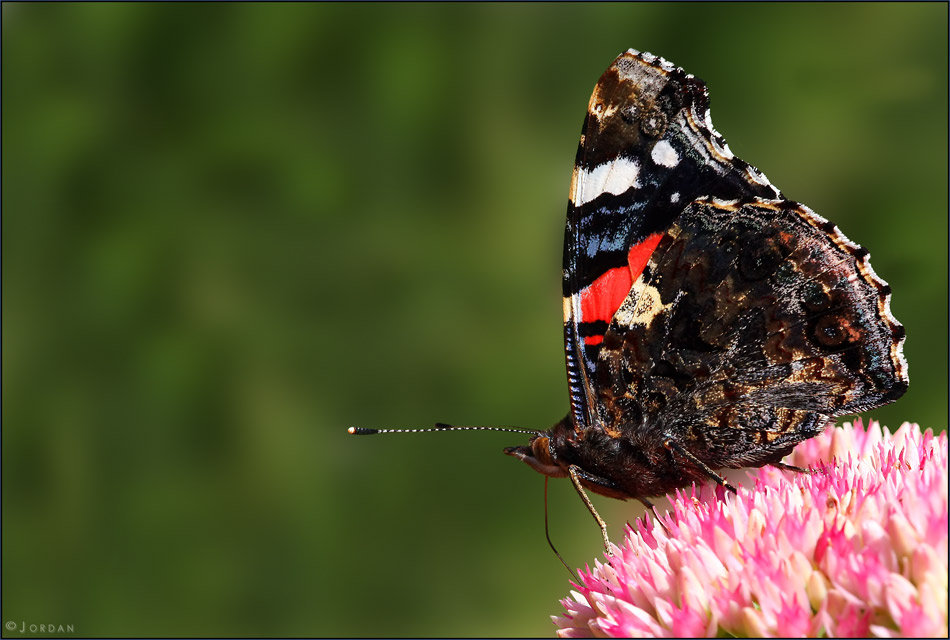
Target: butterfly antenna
(439, 426)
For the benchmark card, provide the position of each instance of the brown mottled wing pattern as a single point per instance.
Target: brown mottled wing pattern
(752, 324)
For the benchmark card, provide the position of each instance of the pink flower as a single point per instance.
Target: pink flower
(858, 548)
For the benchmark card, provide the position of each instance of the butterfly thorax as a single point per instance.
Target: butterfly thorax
(616, 467)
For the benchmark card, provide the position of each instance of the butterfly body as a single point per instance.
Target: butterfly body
(709, 322)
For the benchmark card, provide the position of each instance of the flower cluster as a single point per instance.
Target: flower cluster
(857, 548)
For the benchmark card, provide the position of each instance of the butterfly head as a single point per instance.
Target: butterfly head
(541, 452)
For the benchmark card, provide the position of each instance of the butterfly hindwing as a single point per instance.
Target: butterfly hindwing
(750, 326)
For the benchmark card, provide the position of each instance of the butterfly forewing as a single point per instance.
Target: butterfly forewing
(647, 150)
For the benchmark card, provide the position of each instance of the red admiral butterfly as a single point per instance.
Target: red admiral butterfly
(709, 322)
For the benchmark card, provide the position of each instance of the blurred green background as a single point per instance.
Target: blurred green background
(231, 231)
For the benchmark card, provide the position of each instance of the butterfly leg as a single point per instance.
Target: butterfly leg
(547, 534)
(680, 449)
(790, 467)
(576, 473)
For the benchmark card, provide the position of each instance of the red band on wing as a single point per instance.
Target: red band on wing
(640, 254)
(601, 298)
(604, 295)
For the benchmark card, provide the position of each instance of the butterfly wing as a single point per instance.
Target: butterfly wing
(751, 324)
(647, 150)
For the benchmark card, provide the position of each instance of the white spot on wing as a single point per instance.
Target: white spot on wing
(611, 177)
(664, 154)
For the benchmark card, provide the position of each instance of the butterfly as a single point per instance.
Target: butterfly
(709, 322)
